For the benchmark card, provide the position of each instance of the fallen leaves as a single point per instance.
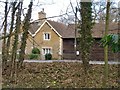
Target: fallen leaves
(61, 75)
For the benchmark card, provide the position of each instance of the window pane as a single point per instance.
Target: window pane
(43, 51)
(46, 50)
(49, 50)
(46, 36)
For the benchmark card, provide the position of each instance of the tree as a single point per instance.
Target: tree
(99, 13)
(113, 41)
(4, 60)
(15, 42)
(13, 4)
(106, 47)
(85, 34)
(26, 25)
(68, 19)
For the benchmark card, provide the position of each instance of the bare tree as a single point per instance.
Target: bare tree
(4, 60)
(98, 9)
(15, 44)
(26, 25)
(69, 17)
(99, 13)
(11, 28)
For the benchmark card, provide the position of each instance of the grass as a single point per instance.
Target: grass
(61, 75)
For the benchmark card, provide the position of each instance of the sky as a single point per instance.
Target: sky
(54, 7)
(51, 7)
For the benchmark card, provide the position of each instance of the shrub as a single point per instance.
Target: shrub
(34, 56)
(55, 59)
(35, 51)
(48, 56)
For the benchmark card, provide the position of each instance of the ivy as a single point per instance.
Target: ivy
(85, 32)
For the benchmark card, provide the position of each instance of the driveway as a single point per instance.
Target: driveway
(79, 61)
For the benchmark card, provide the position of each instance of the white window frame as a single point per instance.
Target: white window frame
(46, 50)
(46, 37)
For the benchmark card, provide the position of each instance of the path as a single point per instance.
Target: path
(51, 61)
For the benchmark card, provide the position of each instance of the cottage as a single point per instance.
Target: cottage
(50, 37)
(59, 39)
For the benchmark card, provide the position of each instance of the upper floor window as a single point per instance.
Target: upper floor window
(46, 36)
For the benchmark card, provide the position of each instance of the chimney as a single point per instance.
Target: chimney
(42, 15)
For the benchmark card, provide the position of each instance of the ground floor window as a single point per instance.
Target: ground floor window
(46, 50)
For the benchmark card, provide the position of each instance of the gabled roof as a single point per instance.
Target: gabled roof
(34, 26)
(68, 31)
(64, 30)
(61, 29)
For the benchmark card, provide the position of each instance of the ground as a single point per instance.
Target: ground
(61, 75)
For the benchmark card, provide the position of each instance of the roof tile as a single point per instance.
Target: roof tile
(68, 31)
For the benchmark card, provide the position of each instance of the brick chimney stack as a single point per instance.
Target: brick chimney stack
(42, 15)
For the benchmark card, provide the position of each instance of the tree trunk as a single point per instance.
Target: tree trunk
(15, 44)
(106, 47)
(85, 36)
(85, 33)
(25, 28)
(4, 60)
(11, 30)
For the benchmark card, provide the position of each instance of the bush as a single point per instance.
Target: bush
(34, 56)
(48, 56)
(35, 51)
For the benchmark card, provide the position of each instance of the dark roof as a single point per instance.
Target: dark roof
(64, 30)
(99, 29)
(34, 26)
(68, 31)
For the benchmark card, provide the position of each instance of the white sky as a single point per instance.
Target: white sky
(51, 7)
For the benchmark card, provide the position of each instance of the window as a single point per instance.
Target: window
(46, 50)
(46, 36)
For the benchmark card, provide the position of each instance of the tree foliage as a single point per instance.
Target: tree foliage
(35, 50)
(113, 41)
(48, 56)
(35, 53)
